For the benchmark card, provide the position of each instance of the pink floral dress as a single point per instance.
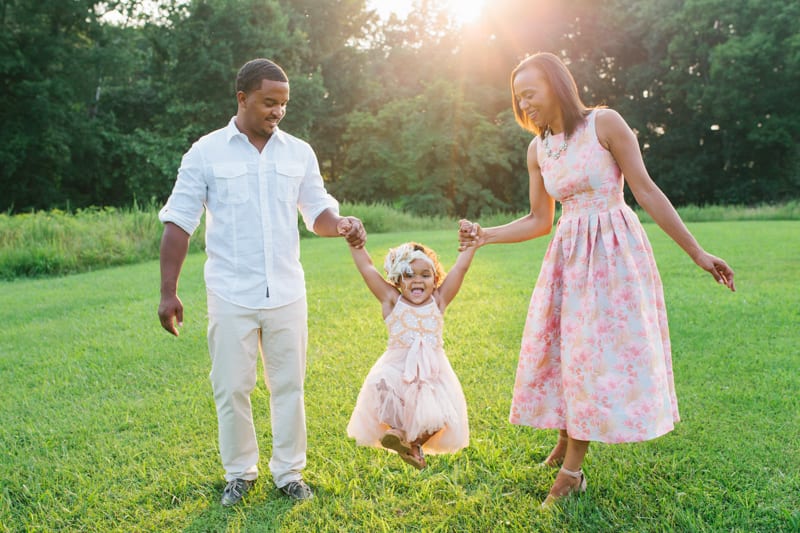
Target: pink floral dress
(595, 357)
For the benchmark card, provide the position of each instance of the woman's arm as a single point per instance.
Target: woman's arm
(617, 137)
(535, 224)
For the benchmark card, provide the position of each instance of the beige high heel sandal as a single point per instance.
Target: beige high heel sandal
(571, 488)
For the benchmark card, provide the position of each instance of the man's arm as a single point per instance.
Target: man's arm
(329, 224)
(174, 247)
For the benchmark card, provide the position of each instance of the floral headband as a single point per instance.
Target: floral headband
(398, 261)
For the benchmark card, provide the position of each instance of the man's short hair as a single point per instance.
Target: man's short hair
(254, 71)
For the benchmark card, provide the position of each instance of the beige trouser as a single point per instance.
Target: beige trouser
(236, 337)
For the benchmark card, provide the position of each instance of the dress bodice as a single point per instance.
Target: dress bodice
(407, 324)
(585, 178)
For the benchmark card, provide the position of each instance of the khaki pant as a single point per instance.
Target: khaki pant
(236, 337)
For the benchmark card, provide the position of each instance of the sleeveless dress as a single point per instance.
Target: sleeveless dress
(412, 385)
(595, 356)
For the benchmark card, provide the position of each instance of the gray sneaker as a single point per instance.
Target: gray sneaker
(297, 490)
(234, 491)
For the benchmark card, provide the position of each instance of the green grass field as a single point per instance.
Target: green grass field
(107, 422)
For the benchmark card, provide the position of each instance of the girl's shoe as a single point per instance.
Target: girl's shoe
(416, 460)
(395, 439)
(567, 482)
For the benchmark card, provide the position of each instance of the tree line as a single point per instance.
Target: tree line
(99, 100)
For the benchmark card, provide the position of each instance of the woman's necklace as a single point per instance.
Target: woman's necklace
(561, 147)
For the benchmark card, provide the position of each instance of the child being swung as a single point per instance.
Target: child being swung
(411, 399)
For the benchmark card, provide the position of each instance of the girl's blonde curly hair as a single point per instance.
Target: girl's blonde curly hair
(399, 259)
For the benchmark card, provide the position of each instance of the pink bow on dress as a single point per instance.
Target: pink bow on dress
(421, 362)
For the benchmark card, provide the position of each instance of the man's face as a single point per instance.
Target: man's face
(260, 110)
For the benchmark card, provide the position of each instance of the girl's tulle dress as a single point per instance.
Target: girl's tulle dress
(412, 386)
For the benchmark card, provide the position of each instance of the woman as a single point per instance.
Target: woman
(595, 361)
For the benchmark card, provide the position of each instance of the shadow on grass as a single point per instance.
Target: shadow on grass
(264, 508)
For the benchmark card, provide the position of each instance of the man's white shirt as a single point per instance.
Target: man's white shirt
(251, 201)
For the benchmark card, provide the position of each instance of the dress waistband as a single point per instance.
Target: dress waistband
(583, 205)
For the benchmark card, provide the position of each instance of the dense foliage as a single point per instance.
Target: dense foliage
(56, 243)
(97, 110)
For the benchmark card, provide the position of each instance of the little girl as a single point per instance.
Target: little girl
(411, 399)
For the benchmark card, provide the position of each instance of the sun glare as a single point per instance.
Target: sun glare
(462, 11)
(465, 11)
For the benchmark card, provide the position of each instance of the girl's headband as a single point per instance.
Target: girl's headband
(398, 261)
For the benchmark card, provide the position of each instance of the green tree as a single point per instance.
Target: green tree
(335, 62)
(754, 79)
(412, 112)
(191, 67)
(708, 88)
(430, 154)
(47, 63)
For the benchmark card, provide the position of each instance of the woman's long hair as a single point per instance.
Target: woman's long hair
(561, 82)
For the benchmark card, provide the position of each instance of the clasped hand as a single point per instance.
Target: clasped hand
(353, 231)
(469, 234)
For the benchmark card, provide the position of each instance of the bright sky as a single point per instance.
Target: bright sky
(387, 7)
(463, 11)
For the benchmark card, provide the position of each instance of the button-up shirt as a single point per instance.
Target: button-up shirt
(251, 200)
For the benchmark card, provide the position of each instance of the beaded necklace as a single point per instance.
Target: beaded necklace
(561, 147)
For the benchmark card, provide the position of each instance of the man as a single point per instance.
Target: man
(251, 178)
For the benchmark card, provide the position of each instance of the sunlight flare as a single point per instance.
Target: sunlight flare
(465, 11)
(461, 11)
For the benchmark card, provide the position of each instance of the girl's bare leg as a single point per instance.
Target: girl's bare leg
(416, 446)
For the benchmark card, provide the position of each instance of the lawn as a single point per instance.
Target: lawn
(107, 422)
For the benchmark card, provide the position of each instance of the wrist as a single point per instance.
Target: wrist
(486, 237)
(168, 290)
(695, 253)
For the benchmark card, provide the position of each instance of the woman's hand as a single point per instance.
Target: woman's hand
(469, 234)
(717, 268)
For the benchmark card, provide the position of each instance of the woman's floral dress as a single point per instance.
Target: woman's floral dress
(595, 357)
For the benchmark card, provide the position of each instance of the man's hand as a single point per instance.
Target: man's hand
(353, 230)
(170, 310)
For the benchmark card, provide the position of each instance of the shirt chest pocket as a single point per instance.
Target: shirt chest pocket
(289, 176)
(231, 182)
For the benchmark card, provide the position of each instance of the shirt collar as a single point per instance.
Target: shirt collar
(232, 131)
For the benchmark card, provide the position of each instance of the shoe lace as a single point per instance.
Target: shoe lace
(298, 488)
(236, 487)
